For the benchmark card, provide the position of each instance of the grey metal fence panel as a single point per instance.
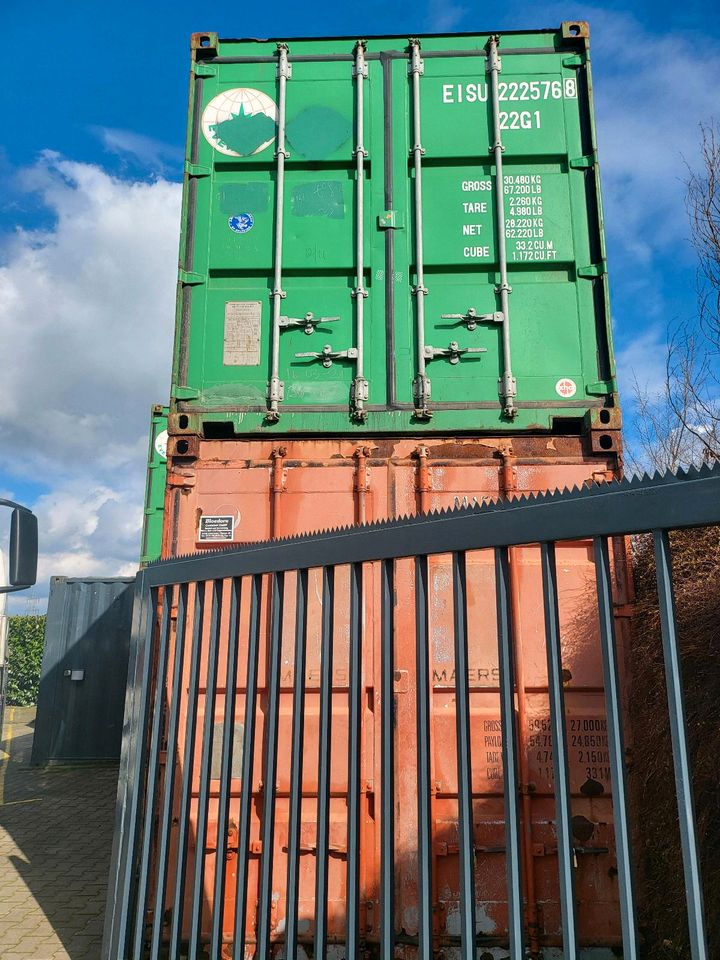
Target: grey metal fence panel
(84, 670)
(653, 505)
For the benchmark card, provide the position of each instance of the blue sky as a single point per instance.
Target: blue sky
(94, 106)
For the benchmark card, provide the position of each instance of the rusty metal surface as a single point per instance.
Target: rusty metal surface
(273, 489)
(280, 489)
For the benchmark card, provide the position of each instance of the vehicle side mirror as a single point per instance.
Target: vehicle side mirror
(23, 552)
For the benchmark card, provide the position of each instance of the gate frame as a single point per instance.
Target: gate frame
(654, 505)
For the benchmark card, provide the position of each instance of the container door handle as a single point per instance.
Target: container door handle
(471, 318)
(308, 322)
(453, 351)
(327, 355)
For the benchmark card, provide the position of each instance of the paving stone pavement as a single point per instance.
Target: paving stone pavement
(55, 838)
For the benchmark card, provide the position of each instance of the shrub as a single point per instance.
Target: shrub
(26, 637)
(696, 578)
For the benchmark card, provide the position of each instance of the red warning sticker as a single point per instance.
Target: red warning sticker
(566, 388)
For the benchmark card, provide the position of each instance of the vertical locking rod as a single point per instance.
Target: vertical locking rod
(421, 384)
(276, 387)
(360, 389)
(506, 383)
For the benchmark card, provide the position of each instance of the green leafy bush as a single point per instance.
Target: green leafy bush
(26, 637)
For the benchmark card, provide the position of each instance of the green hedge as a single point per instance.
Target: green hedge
(26, 637)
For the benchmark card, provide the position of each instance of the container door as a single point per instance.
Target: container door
(305, 254)
(448, 113)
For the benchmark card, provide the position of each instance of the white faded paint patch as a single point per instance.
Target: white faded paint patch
(483, 953)
(483, 923)
(586, 953)
(441, 644)
(410, 918)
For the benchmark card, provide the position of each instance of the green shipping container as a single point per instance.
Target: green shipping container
(155, 486)
(392, 235)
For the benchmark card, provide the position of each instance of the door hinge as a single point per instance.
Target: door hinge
(584, 163)
(189, 278)
(601, 388)
(185, 393)
(196, 170)
(204, 69)
(593, 270)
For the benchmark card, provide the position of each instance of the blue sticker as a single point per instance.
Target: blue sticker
(241, 222)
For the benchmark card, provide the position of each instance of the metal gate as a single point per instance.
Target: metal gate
(184, 881)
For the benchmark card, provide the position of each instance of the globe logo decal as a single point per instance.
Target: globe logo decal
(241, 223)
(240, 122)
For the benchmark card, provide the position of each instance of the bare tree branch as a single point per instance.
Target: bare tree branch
(682, 425)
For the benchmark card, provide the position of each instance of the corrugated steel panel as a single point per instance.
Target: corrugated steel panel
(349, 208)
(235, 491)
(84, 670)
(155, 486)
(248, 490)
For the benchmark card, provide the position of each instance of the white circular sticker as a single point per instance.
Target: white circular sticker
(240, 122)
(566, 388)
(161, 442)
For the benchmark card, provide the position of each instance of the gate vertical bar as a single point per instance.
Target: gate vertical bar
(616, 744)
(170, 768)
(681, 757)
(188, 765)
(507, 384)
(354, 761)
(276, 387)
(296, 765)
(387, 762)
(510, 753)
(205, 770)
(464, 761)
(246, 785)
(325, 753)
(159, 701)
(560, 753)
(135, 748)
(265, 898)
(228, 743)
(425, 825)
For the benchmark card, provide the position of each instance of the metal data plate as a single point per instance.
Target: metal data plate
(241, 342)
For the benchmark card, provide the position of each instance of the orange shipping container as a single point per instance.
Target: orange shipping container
(220, 492)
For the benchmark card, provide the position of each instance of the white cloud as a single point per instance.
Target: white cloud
(151, 153)
(89, 530)
(652, 91)
(86, 320)
(642, 361)
(444, 16)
